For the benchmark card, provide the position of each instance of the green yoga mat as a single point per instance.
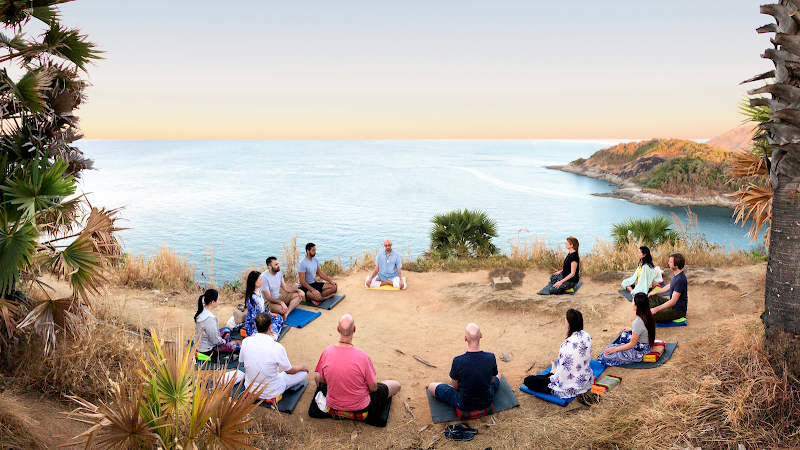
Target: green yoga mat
(504, 399)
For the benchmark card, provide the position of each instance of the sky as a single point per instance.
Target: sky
(529, 69)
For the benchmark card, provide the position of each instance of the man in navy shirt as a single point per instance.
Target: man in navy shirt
(674, 307)
(474, 376)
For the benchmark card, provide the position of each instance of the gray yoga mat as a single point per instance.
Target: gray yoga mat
(628, 296)
(503, 399)
(287, 402)
(668, 350)
(228, 364)
(326, 304)
(546, 290)
(284, 330)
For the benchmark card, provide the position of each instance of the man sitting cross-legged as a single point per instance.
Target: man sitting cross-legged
(266, 362)
(388, 269)
(474, 375)
(674, 307)
(349, 376)
(307, 271)
(271, 284)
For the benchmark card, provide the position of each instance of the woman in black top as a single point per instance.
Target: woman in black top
(566, 278)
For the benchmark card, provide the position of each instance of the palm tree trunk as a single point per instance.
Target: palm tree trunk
(781, 316)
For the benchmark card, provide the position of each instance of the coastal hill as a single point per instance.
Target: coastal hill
(661, 171)
(739, 138)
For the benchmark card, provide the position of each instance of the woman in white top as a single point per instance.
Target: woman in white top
(636, 341)
(642, 280)
(571, 374)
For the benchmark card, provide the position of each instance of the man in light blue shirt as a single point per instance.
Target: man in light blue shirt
(307, 271)
(387, 269)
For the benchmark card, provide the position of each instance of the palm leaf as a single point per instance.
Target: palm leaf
(68, 44)
(17, 246)
(754, 203)
(9, 310)
(39, 187)
(46, 316)
(747, 164)
(227, 417)
(118, 425)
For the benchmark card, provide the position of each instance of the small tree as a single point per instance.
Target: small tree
(653, 231)
(463, 234)
(41, 227)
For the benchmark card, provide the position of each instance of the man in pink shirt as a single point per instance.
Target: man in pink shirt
(350, 377)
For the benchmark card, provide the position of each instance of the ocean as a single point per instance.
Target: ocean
(244, 199)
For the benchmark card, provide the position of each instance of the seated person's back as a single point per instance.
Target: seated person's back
(475, 372)
(348, 372)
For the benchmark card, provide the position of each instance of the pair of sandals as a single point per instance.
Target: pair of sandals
(460, 432)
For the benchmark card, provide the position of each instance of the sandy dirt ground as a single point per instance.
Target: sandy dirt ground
(428, 320)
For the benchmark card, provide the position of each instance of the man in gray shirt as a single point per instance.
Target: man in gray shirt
(307, 270)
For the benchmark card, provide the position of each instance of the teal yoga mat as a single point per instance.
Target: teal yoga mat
(597, 370)
(299, 318)
(503, 399)
(326, 304)
(546, 290)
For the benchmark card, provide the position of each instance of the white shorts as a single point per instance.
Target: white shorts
(376, 282)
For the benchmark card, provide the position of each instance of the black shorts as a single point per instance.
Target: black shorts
(317, 285)
(377, 399)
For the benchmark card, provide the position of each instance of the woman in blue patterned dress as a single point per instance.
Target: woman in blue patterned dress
(571, 374)
(254, 302)
(636, 341)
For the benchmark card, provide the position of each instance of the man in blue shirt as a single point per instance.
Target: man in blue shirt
(474, 376)
(307, 271)
(387, 269)
(674, 307)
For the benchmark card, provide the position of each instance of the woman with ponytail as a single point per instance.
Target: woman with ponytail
(636, 341)
(254, 302)
(210, 339)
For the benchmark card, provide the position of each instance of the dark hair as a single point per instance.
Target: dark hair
(209, 296)
(642, 303)
(647, 258)
(263, 322)
(270, 259)
(250, 287)
(678, 260)
(309, 246)
(574, 241)
(575, 321)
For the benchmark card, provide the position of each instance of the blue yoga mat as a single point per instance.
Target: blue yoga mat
(597, 370)
(326, 304)
(671, 324)
(299, 318)
(629, 297)
(503, 399)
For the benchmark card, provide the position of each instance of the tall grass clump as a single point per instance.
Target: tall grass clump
(169, 404)
(291, 257)
(165, 269)
(83, 365)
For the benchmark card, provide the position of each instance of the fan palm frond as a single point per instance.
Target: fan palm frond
(17, 245)
(747, 164)
(46, 317)
(754, 203)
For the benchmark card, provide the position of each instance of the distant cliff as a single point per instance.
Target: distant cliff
(661, 172)
(739, 138)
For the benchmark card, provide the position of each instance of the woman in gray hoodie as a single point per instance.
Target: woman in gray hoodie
(211, 340)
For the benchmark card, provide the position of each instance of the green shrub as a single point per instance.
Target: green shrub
(653, 231)
(578, 162)
(463, 233)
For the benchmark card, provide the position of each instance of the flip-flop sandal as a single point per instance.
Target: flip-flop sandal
(458, 435)
(462, 427)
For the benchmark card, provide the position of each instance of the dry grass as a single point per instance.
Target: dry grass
(163, 270)
(725, 394)
(81, 365)
(18, 430)
(290, 259)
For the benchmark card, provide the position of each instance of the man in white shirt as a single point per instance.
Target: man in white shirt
(265, 362)
(271, 284)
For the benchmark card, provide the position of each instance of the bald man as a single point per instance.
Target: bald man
(474, 376)
(388, 267)
(349, 376)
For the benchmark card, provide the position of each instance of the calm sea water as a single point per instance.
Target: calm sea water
(245, 198)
